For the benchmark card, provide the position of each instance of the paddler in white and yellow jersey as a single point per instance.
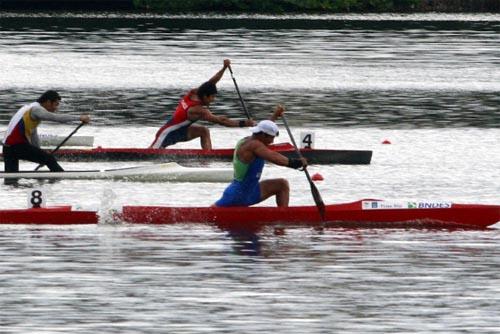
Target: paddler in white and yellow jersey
(21, 141)
(249, 157)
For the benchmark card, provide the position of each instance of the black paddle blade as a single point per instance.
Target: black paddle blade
(318, 200)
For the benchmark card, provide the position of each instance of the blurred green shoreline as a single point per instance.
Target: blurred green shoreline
(260, 6)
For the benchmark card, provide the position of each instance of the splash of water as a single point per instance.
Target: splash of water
(107, 212)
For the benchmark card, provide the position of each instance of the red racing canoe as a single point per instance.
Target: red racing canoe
(360, 214)
(61, 215)
(314, 156)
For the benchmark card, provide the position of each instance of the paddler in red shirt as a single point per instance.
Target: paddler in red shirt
(194, 107)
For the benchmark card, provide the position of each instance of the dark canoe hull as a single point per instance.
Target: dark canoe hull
(63, 215)
(314, 156)
(358, 214)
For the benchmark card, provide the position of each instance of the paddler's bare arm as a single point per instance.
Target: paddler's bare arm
(215, 79)
(203, 113)
(259, 149)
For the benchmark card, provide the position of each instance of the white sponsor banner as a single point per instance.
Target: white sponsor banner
(374, 205)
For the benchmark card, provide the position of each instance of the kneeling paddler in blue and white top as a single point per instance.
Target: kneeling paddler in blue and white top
(249, 157)
(21, 140)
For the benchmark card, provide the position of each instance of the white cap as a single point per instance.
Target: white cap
(266, 126)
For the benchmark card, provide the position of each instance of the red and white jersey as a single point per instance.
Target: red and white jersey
(180, 119)
(22, 126)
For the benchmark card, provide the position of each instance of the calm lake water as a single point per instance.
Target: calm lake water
(428, 83)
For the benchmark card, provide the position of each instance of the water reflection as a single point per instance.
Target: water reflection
(382, 109)
(400, 58)
(245, 242)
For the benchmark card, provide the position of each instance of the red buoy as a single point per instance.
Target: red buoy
(386, 141)
(317, 177)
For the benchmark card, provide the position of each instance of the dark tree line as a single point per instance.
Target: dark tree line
(261, 6)
(319, 6)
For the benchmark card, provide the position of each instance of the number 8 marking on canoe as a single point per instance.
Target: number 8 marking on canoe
(36, 198)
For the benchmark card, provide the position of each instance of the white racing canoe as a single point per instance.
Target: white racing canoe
(170, 171)
(47, 140)
(54, 140)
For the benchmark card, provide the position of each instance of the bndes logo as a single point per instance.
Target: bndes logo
(438, 205)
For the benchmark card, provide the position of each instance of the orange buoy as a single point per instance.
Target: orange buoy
(317, 177)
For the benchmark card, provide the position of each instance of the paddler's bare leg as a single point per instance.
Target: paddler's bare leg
(202, 132)
(278, 187)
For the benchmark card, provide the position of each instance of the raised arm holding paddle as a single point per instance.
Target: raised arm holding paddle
(193, 107)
